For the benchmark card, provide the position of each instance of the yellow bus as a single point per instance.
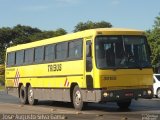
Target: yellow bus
(97, 65)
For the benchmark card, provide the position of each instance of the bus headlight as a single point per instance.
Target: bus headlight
(149, 92)
(105, 94)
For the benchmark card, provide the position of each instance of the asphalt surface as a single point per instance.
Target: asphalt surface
(142, 109)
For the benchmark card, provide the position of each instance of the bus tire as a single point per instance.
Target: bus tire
(31, 99)
(77, 98)
(124, 104)
(23, 95)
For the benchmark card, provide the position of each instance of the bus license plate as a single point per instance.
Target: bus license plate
(128, 94)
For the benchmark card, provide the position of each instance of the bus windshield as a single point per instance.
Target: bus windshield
(122, 52)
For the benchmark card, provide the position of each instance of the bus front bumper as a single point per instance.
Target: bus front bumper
(116, 95)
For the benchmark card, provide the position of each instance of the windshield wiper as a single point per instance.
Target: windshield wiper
(115, 68)
(139, 66)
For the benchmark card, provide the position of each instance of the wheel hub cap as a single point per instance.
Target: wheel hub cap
(77, 97)
(30, 95)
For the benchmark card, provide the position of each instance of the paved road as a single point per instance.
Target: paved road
(51, 110)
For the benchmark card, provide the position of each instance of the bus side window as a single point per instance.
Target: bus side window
(75, 49)
(88, 56)
(50, 53)
(39, 54)
(11, 59)
(29, 55)
(20, 57)
(62, 51)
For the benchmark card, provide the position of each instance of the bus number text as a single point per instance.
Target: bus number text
(54, 67)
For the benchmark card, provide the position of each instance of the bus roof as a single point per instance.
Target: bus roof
(81, 34)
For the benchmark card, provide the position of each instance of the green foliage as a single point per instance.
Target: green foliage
(2, 81)
(91, 25)
(2, 87)
(23, 34)
(157, 22)
(13, 36)
(154, 41)
(5, 37)
(47, 34)
(1, 70)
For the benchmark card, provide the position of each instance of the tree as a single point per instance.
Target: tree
(59, 32)
(47, 34)
(1, 69)
(157, 22)
(154, 41)
(91, 25)
(23, 34)
(5, 38)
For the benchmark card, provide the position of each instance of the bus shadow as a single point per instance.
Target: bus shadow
(55, 104)
(89, 108)
(136, 106)
(107, 107)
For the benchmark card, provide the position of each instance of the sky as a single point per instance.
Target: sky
(66, 14)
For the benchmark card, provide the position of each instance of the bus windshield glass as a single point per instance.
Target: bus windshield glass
(122, 52)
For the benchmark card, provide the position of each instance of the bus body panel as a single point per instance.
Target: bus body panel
(47, 75)
(124, 78)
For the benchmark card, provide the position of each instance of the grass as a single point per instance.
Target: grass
(1, 81)
(1, 87)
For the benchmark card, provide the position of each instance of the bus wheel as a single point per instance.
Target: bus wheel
(31, 99)
(124, 104)
(23, 95)
(77, 98)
